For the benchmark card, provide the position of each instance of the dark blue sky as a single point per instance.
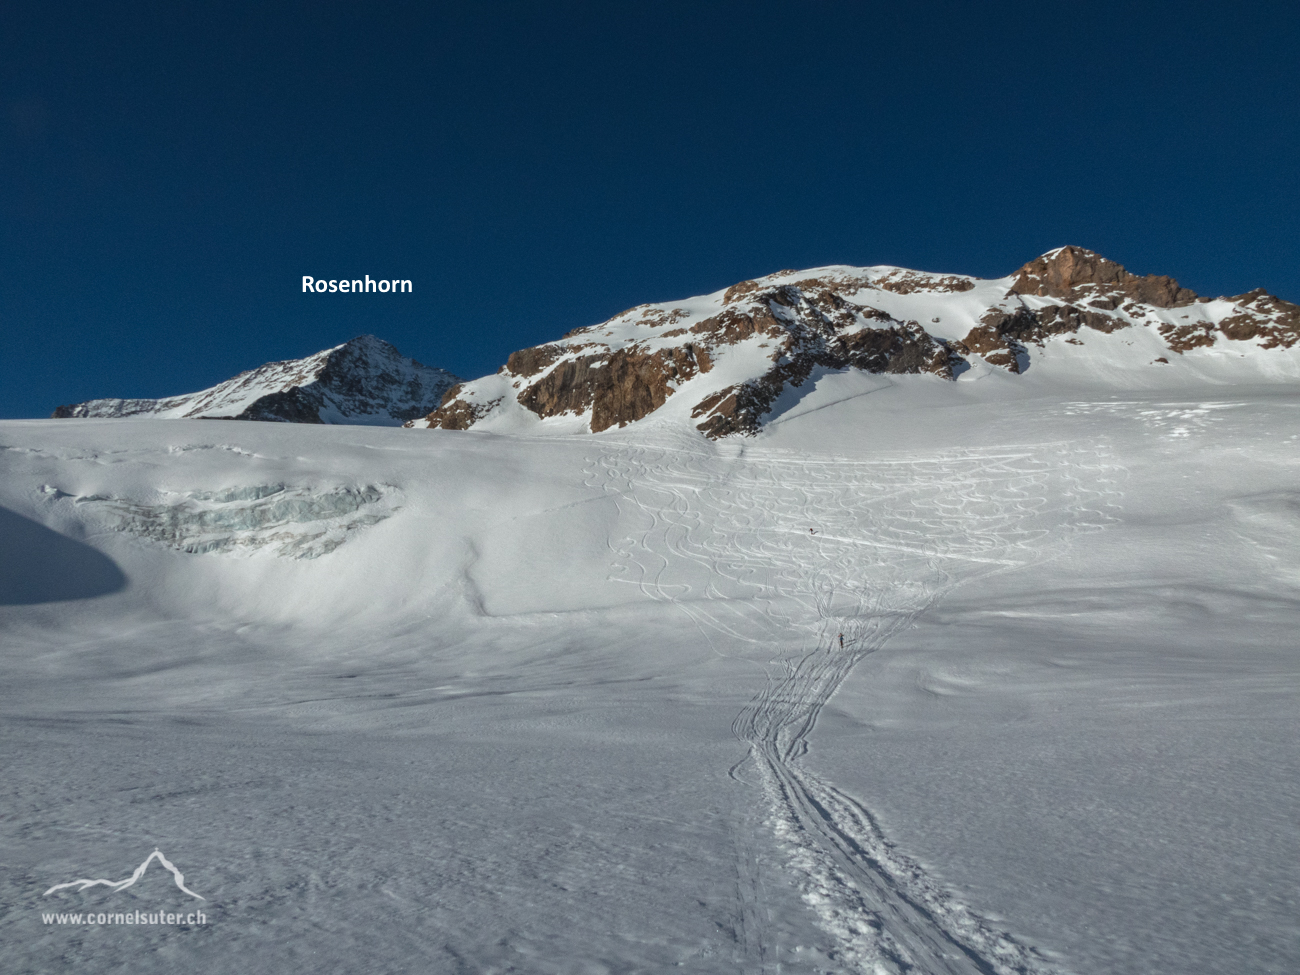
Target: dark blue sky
(168, 172)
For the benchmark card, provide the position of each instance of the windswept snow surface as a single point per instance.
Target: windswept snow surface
(432, 701)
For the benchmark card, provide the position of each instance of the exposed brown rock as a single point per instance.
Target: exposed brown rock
(812, 325)
(737, 409)
(738, 291)
(458, 414)
(982, 340)
(1074, 273)
(1008, 359)
(838, 313)
(635, 384)
(899, 349)
(618, 387)
(1056, 319)
(568, 388)
(730, 326)
(1020, 324)
(1264, 316)
(529, 362)
(1242, 327)
(740, 408)
(839, 282)
(711, 402)
(657, 317)
(908, 282)
(1181, 338)
(814, 322)
(1002, 334)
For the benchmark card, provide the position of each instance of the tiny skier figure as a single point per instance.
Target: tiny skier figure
(812, 531)
(841, 641)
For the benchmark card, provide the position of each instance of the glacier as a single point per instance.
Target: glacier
(578, 703)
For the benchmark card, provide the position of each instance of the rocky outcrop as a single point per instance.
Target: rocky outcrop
(618, 387)
(798, 326)
(1003, 333)
(812, 325)
(900, 349)
(457, 414)
(735, 409)
(904, 282)
(1260, 315)
(1077, 274)
(1256, 315)
(1000, 338)
(722, 361)
(529, 362)
(362, 381)
(733, 326)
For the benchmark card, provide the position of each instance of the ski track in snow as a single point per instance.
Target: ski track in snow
(888, 539)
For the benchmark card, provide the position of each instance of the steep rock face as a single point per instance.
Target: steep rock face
(721, 362)
(362, 381)
(618, 387)
(1078, 274)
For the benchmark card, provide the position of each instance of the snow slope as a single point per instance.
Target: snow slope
(579, 703)
(427, 700)
(364, 381)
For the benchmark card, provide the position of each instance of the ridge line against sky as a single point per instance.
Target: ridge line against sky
(167, 175)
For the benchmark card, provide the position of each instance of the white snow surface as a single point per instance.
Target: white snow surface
(431, 701)
(364, 381)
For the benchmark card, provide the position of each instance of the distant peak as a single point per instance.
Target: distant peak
(364, 380)
(369, 342)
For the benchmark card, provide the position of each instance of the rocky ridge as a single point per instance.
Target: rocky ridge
(733, 353)
(364, 381)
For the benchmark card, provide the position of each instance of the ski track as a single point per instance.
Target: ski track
(892, 536)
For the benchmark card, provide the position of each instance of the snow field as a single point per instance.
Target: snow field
(891, 536)
(578, 704)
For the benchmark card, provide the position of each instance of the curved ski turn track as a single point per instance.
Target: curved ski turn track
(771, 549)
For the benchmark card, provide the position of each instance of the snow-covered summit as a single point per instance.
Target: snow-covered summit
(363, 381)
(723, 361)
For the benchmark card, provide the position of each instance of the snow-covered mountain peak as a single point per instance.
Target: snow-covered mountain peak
(722, 361)
(1076, 273)
(363, 381)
